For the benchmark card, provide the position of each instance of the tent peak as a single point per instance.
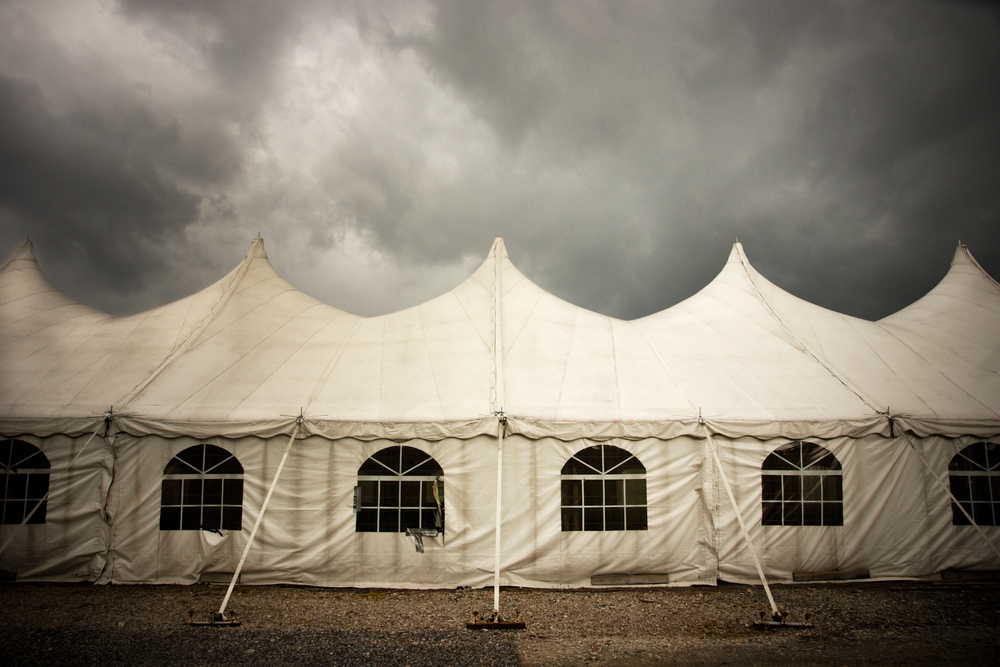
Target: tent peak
(498, 249)
(257, 249)
(964, 256)
(25, 251)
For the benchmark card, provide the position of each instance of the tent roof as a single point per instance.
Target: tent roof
(250, 353)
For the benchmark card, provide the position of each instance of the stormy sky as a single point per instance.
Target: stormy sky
(620, 148)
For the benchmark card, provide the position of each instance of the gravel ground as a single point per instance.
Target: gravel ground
(874, 623)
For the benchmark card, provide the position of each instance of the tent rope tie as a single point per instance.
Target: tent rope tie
(713, 447)
(106, 425)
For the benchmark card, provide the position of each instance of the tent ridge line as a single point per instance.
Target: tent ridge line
(805, 346)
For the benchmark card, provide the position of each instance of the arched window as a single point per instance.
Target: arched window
(975, 482)
(603, 488)
(202, 490)
(803, 485)
(25, 472)
(401, 487)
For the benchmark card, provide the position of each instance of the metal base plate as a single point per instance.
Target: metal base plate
(501, 625)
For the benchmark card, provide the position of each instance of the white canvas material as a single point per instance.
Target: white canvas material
(236, 365)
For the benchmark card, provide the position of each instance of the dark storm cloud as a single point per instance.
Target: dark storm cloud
(619, 148)
(883, 157)
(88, 183)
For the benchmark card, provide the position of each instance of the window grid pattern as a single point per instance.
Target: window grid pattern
(603, 488)
(802, 485)
(202, 490)
(24, 476)
(398, 492)
(974, 474)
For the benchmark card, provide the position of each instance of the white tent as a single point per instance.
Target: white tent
(741, 370)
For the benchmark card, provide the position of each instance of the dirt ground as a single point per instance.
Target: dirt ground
(884, 623)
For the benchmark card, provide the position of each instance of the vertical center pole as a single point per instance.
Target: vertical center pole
(256, 525)
(496, 554)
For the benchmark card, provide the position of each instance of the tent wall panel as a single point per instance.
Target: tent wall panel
(72, 543)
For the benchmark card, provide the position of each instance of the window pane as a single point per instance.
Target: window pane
(192, 492)
(427, 491)
(994, 487)
(591, 456)
(388, 496)
(961, 487)
(983, 513)
(575, 467)
(572, 492)
(191, 518)
(980, 488)
(38, 486)
(409, 495)
(429, 468)
(792, 514)
(833, 487)
(232, 518)
(369, 493)
(428, 520)
(770, 486)
(614, 457)
(409, 519)
(778, 462)
(833, 514)
(388, 521)
(593, 519)
(791, 486)
(389, 457)
(993, 455)
(614, 518)
(213, 492)
(593, 492)
(232, 492)
(170, 518)
(211, 517)
(958, 517)
(572, 519)
(812, 514)
(772, 514)
(635, 518)
(411, 458)
(812, 488)
(171, 493)
(17, 487)
(614, 493)
(977, 454)
(367, 521)
(635, 491)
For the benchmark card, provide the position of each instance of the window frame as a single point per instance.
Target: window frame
(585, 513)
(31, 483)
(984, 512)
(428, 511)
(180, 488)
(826, 510)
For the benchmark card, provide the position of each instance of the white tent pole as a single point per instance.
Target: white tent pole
(496, 555)
(947, 490)
(739, 517)
(256, 525)
(107, 420)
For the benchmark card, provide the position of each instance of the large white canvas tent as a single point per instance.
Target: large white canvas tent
(157, 436)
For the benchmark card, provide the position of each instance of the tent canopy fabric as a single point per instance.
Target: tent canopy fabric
(250, 354)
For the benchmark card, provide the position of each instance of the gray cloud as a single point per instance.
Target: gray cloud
(619, 148)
